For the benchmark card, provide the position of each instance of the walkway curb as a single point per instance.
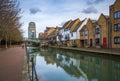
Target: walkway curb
(92, 50)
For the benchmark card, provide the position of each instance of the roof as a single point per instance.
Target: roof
(106, 16)
(83, 28)
(94, 21)
(66, 24)
(78, 25)
(72, 23)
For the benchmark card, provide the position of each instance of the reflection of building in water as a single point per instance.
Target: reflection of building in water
(88, 67)
(115, 71)
(31, 30)
(100, 69)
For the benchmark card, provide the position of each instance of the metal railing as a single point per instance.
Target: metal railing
(31, 66)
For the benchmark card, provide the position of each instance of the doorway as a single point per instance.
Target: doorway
(104, 42)
(91, 43)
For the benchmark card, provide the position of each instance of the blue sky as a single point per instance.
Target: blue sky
(53, 13)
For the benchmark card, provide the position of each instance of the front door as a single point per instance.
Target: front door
(90, 42)
(82, 43)
(104, 42)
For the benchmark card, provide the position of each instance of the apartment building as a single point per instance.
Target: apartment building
(115, 24)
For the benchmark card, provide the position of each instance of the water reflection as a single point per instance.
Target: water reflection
(62, 65)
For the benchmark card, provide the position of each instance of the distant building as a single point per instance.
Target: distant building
(41, 36)
(32, 30)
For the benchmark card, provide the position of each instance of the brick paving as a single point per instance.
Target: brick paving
(11, 62)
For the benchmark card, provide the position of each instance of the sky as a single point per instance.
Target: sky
(52, 13)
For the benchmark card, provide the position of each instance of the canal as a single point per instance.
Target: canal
(66, 65)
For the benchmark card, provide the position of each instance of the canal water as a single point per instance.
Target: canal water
(66, 65)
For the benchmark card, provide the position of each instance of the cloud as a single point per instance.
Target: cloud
(89, 2)
(89, 10)
(34, 10)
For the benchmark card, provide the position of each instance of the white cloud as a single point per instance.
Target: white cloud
(54, 12)
(90, 10)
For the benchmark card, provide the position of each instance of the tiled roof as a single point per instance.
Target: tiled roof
(66, 24)
(72, 23)
(69, 26)
(78, 25)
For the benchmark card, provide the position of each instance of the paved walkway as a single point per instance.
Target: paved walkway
(11, 62)
(96, 50)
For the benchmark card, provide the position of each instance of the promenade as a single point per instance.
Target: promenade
(11, 63)
(94, 50)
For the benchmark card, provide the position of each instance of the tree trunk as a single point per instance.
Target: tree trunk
(6, 46)
(0, 43)
(10, 42)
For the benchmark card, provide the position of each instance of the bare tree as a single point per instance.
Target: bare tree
(9, 19)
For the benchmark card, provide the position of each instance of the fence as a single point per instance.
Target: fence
(31, 66)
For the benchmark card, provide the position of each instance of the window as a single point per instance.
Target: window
(86, 32)
(117, 40)
(67, 37)
(66, 29)
(82, 33)
(97, 30)
(97, 41)
(86, 41)
(117, 14)
(116, 27)
(71, 34)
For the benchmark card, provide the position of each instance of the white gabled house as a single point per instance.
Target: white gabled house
(84, 22)
(70, 32)
(63, 33)
(75, 33)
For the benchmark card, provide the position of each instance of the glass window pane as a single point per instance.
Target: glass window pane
(118, 14)
(118, 26)
(115, 16)
(115, 27)
(119, 39)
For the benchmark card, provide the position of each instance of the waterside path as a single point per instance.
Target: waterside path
(94, 50)
(11, 63)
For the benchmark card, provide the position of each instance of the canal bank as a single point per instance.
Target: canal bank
(93, 50)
